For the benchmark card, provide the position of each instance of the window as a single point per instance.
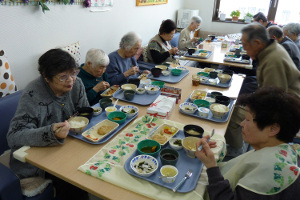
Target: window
(278, 11)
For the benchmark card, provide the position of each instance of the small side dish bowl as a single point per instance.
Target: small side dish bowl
(117, 116)
(129, 94)
(214, 94)
(148, 147)
(158, 83)
(219, 110)
(168, 173)
(193, 131)
(224, 78)
(210, 99)
(168, 156)
(223, 100)
(176, 143)
(140, 90)
(129, 110)
(78, 124)
(144, 165)
(203, 112)
(189, 146)
(97, 110)
(152, 89)
(105, 103)
(188, 107)
(176, 72)
(203, 79)
(110, 109)
(203, 74)
(129, 87)
(166, 73)
(201, 103)
(86, 112)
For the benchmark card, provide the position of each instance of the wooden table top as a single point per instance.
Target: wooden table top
(217, 56)
(63, 160)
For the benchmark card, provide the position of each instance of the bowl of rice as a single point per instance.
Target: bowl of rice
(78, 124)
(219, 110)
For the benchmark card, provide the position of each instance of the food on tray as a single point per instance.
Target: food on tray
(142, 76)
(220, 108)
(110, 91)
(193, 132)
(117, 118)
(168, 171)
(191, 145)
(76, 124)
(161, 139)
(149, 149)
(128, 110)
(168, 130)
(178, 143)
(198, 95)
(203, 54)
(104, 129)
(144, 167)
(140, 89)
(153, 89)
(96, 109)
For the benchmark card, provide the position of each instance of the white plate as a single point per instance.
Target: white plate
(160, 130)
(92, 135)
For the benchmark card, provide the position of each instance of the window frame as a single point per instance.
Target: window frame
(271, 14)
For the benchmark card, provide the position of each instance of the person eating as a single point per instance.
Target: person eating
(186, 38)
(93, 75)
(271, 170)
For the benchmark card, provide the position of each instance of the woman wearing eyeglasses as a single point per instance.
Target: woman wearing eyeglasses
(45, 105)
(159, 49)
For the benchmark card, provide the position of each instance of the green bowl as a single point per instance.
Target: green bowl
(201, 103)
(117, 114)
(158, 83)
(176, 72)
(148, 143)
(203, 74)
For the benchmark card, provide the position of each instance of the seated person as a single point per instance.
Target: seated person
(276, 33)
(292, 30)
(123, 65)
(262, 19)
(271, 170)
(44, 107)
(93, 74)
(159, 49)
(186, 38)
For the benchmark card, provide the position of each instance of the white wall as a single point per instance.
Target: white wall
(205, 8)
(26, 33)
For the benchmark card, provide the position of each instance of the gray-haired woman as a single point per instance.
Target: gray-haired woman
(292, 30)
(93, 75)
(123, 65)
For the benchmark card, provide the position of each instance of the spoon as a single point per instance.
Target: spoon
(116, 103)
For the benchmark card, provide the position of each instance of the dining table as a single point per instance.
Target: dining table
(218, 55)
(63, 161)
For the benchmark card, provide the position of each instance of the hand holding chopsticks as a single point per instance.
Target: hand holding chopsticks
(59, 129)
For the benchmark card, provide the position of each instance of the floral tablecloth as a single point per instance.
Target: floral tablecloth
(107, 164)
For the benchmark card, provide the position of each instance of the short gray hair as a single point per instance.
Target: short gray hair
(292, 28)
(275, 31)
(129, 40)
(256, 31)
(97, 57)
(196, 19)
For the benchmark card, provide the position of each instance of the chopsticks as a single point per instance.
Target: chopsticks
(71, 117)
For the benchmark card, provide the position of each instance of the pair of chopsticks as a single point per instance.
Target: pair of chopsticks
(71, 117)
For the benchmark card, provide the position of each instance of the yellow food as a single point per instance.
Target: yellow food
(198, 95)
(110, 91)
(104, 129)
(193, 132)
(116, 118)
(191, 145)
(159, 138)
(169, 172)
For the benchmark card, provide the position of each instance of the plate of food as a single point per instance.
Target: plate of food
(163, 133)
(110, 91)
(100, 130)
(198, 94)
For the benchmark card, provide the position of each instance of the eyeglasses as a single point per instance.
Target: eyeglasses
(64, 77)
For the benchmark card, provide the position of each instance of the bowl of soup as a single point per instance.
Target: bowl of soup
(193, 130)
(149, 147)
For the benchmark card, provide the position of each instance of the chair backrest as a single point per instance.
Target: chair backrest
(8, 107)
(175, 40)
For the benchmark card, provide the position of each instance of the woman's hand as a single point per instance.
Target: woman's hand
(206, 155)
(146, 72)
(61, 129)
(103, 85)
(132, 71)
(173, 51)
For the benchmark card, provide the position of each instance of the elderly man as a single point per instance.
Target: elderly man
(275, 68)
(276, 33)
(123, 65)
(262, 19)
(186, 38)
(292, 30)
(93, 76)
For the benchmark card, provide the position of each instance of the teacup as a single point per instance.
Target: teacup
(168, 157)
(168, 173)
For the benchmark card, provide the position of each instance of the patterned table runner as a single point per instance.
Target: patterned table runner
(107, 164)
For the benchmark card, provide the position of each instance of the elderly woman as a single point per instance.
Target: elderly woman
(292, 30)
(159, 48)
(93, 75)
(45, 105)
(123, 65)
(186, 38)
(271, 170)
